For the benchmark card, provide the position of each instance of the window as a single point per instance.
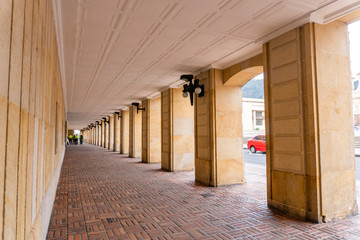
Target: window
(258, 120)
(257, 138)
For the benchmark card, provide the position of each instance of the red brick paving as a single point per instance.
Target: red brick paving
(105, 195)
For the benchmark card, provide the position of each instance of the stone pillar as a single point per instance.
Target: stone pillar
(93, 135)
(103, 128)
(151, 131)
(97, 134)
(134, 132)
(177, 131)
(116, 132)
(111, 133)
(100, 135)
(310, 148)
(106, 133)
(124, 132)
(218, 132)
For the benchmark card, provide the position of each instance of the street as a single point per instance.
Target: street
(255, 163)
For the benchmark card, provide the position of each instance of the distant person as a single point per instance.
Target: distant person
(76, 139)
(81, 139)
(70, 137)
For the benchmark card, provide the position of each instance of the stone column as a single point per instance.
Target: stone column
(103, 128)
(310, 148)
(218, 132)
(117, 132)
(111, 133)
(134, 132)
(151, 131)
(177, 131)
(107, 129)
(124, 132)
(97, 134)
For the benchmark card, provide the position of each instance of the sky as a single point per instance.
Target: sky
(354, 38)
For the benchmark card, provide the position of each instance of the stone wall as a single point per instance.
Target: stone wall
(310, 143)
(151, 131)
(124, 132)
(218, 132)
(111, 134)
(134, 132)
(116, 132)
(32, 115)
(177, 131)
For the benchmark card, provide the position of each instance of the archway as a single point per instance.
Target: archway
(248, 76)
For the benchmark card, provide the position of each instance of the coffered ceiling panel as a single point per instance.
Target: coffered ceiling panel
(114, 52)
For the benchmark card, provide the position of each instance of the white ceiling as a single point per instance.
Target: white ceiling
(114, 52)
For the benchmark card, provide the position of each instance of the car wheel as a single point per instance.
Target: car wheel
(252, 149)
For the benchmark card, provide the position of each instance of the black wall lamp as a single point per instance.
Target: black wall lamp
(192, 88)
(137, 107)
(118, 113)
(106, 121)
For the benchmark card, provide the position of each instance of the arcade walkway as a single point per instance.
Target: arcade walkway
(105, 195)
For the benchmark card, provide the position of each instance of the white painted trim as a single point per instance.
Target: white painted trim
(49, 198)
(177, 84)
(319, 16)
(153, 96)
(294, 24)
(342, 12)
(56, 4)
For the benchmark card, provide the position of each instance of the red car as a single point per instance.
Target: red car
(257, 143)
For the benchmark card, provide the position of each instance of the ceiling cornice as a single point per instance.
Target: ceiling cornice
(333, 15)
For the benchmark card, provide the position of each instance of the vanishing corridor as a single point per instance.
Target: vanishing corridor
(105, 195)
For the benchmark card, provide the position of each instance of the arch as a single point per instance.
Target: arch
(240, 73)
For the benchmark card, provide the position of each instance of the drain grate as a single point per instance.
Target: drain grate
(112, 220)
(207, 195)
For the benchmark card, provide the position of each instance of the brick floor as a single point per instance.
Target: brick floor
(105, 195)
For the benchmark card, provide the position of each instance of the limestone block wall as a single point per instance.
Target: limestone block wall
(111, 141)
(134, 132)
(103, 134)
(310, 155)
(86, 136)
(106, 135)
(93, 135)
(117, 135)
(124, 132)
(32, 115)
(98, 135)
(334, 96)
(218, 132)
(151, 131)
(108, 132)
(177, 131)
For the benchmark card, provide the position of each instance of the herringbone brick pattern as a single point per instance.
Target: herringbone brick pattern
(105, 195)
